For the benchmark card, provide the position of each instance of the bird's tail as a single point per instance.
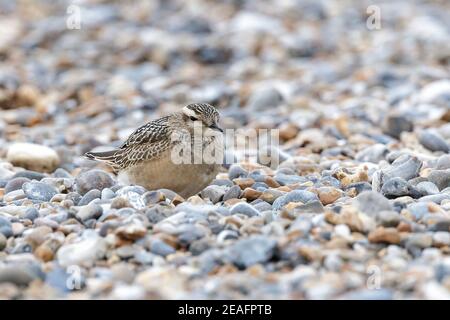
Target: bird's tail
(108, 157)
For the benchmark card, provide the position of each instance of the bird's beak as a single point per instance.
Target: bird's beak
(216, 127)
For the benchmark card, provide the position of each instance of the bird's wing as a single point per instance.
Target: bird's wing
(146, 143)
(151, 132)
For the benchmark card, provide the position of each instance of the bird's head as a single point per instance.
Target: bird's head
(202, 113)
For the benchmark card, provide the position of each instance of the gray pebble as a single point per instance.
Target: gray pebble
(244, 208)
(161, 248)
(236, 171)
(93, 179)
(427, 188)
(15, 184)
(233, 193)
(90, 211)
(32, 175)
(371, 202)
(433, 141)
(89, 196)
(213, 193)
(255, 249)
(38, 191)
(441, 178)
(294, 196)
(396, 187)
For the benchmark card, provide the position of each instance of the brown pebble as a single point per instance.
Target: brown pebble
(271, 182)
(244, 182)
(404, 227)
(251, 194)
(385, 235)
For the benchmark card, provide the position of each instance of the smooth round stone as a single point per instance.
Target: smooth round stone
(284, 179)
(222, 182)
(5, 227)
(107, 194)
(433, 141)
(418, 210)
(395, 187)
(373, 154)
(15, 184)
(441, 178)
(232, 193)
(32, 175)
(330, 181)
(33, 157)
(253, 250)
(14, 195)
(3, 182)
(236, 171)
(39, 191)
(419, 240)
(262, 206)
(405, 167)
(89, 196)
(436, 198)
(198, 247)
(20, 274)
(161, 248)
(74, 197)
(371, 202)
(61, 173)
(82, 253)
(153, 197)
(394, 125)
(443, 162)
(440, 238)
(388, 218)
(93, 179)
(213, 192)
(90, 211)
(294, 196)
(427, 188)
(244, 208)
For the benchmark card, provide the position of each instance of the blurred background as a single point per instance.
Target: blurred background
(359, 91)
(78, 74)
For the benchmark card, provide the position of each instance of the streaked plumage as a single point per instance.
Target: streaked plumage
(145, 157)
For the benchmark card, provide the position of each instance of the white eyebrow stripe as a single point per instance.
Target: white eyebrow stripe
(189, 112)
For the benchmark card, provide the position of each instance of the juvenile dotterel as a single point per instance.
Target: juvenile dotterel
(147, 157)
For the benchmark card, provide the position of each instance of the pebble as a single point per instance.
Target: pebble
(5, 227)
(90, 196)
(39, 191)
(93, 179)
(441, 178)
(214, 193)
(356, 180)
(433, 141)
(385, 235)
(396, 187)
(15, 184)
(371, 203)
(232, 193)
(33, 157)
(82, 253)
(90, 211)
(255, 249)
(244, 208)
(294, 196)
(161, 248)
(427, 188)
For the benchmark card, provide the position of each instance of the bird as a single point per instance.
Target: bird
(169, 152)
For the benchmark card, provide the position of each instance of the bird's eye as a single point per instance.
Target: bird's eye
(193, 118)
